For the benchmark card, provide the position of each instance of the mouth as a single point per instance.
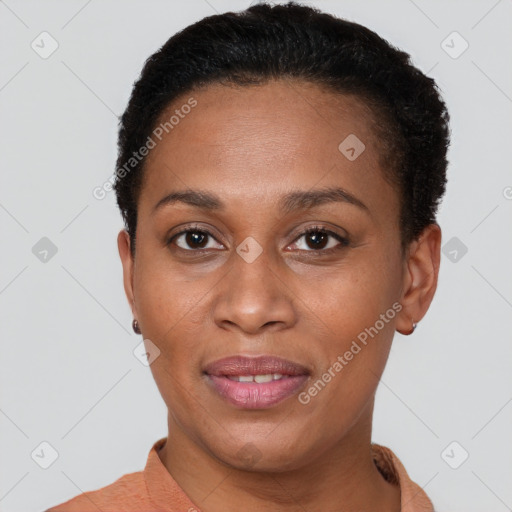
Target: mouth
(255, 382)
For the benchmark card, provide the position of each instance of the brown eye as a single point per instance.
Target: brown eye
(321, 240)
(193, 239)
(196, 239)
(317, 239)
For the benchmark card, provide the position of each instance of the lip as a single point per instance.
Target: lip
(260, 365)
(253, 395)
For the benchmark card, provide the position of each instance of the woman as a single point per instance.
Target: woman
(279, 174)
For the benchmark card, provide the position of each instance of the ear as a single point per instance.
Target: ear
(421, 270)
(123, 245)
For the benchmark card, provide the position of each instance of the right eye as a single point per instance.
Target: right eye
(193, 240)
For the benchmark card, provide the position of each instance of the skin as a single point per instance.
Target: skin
(250, 146)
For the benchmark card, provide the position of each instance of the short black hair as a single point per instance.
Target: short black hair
(266, 42)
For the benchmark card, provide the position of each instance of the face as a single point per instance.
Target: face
(234, 272)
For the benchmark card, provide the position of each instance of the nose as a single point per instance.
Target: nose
(253, 297)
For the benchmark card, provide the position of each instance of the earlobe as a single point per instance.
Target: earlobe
(421, 270)
(410, 331)
(123, 245)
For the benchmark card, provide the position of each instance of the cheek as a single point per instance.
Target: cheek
(353, 360)
(173, 317)
(167, 301)
(357, 309)
(354, 296)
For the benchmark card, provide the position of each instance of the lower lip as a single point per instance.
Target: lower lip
(251, 395)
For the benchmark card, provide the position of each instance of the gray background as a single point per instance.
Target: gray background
(68, 375)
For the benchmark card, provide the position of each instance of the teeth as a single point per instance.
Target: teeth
(263, 378)
(269, 377)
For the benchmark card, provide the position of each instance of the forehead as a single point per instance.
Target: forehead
(262, 139)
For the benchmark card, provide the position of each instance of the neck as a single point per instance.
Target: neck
(344, 478)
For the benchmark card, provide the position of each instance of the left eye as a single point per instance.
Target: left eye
(319, 240)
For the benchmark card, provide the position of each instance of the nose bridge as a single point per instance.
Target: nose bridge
(252, 296)
(252, 269)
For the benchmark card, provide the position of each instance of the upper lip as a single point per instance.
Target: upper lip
(259, 365)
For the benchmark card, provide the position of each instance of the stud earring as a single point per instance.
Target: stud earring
(135, 326)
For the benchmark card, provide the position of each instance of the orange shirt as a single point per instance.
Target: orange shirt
(154, 489)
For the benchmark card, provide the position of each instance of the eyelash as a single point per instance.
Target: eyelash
(344, 242)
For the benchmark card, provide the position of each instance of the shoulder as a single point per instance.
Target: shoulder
(127, 492)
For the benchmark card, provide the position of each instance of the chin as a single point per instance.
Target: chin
(264, 454)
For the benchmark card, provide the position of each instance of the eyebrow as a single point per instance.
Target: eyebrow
(295, 200)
